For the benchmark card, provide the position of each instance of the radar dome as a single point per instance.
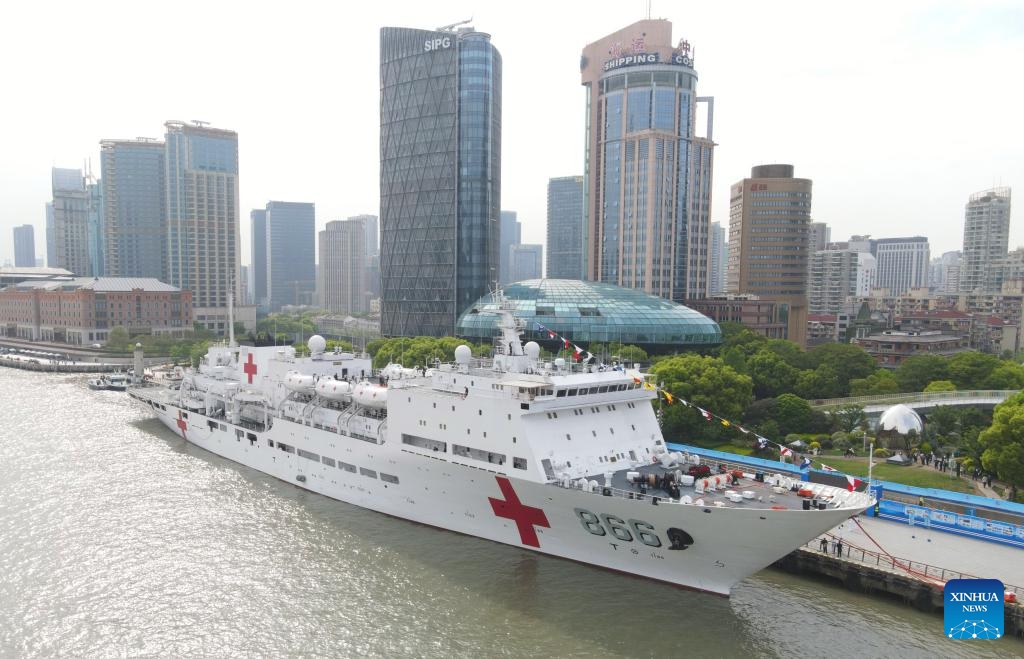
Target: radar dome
(532, 349)
(560, 362)
(462, 354)
(316, 344)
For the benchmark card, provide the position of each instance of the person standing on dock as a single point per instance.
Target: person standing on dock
(824, 545)
(839, 547)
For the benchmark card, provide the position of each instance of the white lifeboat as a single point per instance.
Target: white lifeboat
(298, 382)
(370, 395)
(334, 389)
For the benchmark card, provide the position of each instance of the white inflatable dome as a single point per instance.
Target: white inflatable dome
(316, 344)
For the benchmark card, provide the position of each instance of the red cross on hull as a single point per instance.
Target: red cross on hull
(182, 425)
(525, 517)
(250, 368)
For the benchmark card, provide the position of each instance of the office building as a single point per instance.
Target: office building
(944, 273)
(134, 237)
(769, 218)
(647, 173)
(525, 262)
(986, 239)
(440, 185)
(201, 183)
(258, 224)
(24, 246)
(902, 263)
(511, 235)
(72, 202)
(291, 245)
(51, 237)
(565, 228)
(371, 228)
(342, 266)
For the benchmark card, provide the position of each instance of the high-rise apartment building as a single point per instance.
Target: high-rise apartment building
(769, 218)
(986, 239)
(565, 228)
(72, 202)
(525, 262)
(371, 224)
(343, 266)
(24, 246)
(719, 250)
(647, 173)
(944, 273)
(51, 237)
(201, 170)
(440, 176)
(291, 245)
(134, 232)
(511, 234)
(837, 278)
(818, 236)
(258, 225)
(902, 263)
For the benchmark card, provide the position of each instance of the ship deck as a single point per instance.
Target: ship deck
(753, 490)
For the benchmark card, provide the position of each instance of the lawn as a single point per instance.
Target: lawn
(917, 476)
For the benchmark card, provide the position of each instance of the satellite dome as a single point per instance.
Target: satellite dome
(532, 349)
(462, 354)
(900, 419)
(317, 344)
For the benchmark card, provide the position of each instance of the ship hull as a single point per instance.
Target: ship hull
(703, 548)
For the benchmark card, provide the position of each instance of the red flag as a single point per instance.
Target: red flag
(852, 483)
(551, 334)
(705, 414)
(566, 343)
(825, 467)
(786, 450)
(577, 354)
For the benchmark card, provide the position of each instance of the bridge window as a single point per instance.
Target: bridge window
(519, 463)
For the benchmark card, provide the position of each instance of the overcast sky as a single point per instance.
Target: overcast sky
(897, 110)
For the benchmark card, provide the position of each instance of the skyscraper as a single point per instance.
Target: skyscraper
(134, 234)
(837, 278)
(902, 263)
(769, 218)
(343, 266)
(51, 237)
(525, 262)
(201, 170)
(565, 228)
(440, 176)
(986, 239)
(719, 257)
(511, 234)
(648, 174)
(371, 226)
(71, 205)
(24, 246)
(291, 245)
(258, 220)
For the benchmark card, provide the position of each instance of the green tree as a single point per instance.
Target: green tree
(771, 374)
(880, 382)
(179, 353)
(198, 351)
(970, 370)
(789, 352)
(848, 417)
(916, 372)
(707, 383)
(792, 413)
(853, 361)
(822, 382)
(1008, 375)
(936, 386)
(1003, 443)
(118, 338)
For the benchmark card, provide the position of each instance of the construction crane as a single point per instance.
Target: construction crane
(448, 28)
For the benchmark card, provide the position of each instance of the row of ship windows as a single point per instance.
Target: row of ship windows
(462, 451)
(331, 462)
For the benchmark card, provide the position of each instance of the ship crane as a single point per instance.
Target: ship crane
(448, 28)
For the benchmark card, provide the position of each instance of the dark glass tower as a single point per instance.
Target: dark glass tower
(440, 178)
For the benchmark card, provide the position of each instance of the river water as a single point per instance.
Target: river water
(119, 539)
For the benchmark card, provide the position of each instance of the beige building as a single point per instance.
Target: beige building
(342, 266)
(647, 173)
(769, 222)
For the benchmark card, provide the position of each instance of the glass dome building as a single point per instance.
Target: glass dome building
(589, 311)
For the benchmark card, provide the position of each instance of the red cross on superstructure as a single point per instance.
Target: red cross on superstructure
(250, 368)
(525, 517)
(182, 425)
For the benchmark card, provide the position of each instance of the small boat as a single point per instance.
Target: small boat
(109, 382)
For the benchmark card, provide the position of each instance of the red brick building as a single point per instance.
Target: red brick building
(82, 311)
